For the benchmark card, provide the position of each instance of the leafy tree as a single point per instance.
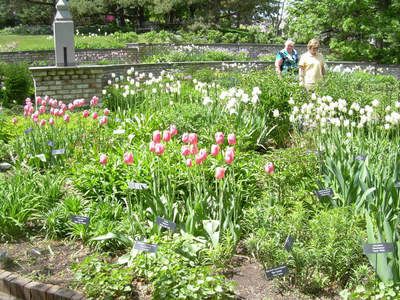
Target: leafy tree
(354, 29)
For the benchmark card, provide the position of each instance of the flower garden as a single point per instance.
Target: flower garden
(168, 178)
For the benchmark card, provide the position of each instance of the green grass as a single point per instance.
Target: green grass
(26, 42)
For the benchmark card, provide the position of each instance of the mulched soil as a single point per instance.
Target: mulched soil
(43, 260)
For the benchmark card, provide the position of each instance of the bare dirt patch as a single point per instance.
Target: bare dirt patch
(43, 260)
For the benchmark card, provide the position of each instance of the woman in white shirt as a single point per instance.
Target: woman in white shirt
(311, 65)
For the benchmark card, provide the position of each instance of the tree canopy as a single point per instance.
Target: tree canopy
(356, 29)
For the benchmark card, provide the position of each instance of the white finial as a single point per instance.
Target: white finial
(63, 10)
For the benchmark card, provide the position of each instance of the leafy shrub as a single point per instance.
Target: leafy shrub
(17, 82)
(327, 246)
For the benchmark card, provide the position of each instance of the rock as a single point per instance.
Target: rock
(5, 166)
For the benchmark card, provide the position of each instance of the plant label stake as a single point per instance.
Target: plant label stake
(145, 247)
(378, 248)
(42, 157)
(119, 131)
(361, 157)
(279, 271)
(80, 220)
(327, 192)
(29, 130)
(397, 184)
(35, 252)
(166, 224)
(289, 243)
(58, 152)
(137, 186)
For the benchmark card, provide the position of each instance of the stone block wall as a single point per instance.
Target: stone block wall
(67, 83)
(253, 50)
(82, 56)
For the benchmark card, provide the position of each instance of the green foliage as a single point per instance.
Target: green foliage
(206, 55)
(17, 83)
(24, 195)
(352, 33)
(326, 249)
(376, 291)
(102, 279)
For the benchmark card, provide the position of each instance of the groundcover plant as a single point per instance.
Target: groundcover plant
(168, 174)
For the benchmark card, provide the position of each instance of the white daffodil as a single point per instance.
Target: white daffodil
(375, 103)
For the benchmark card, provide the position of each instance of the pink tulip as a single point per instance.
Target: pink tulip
(203, 154)
(106, 111)
(193, 138)
(231, 139)
(71, 106)
(159, 149)
(189, 162)
(66, 118)
(128, 158)
(194, 149)
(51, 121)
(214, 150)
(95, 115)
(103, 159)
(173, 130)
(103, 120)
(152, 146)
(85, 113)
(219, 173)
(198, 159)
(42, 109)
(157, 136)
(185, 150)
(269, 168)
(39, 100)
(166, 136)
(14, 120)
(28, 100)
(94, 101)
(42, 122)
(185, 137)
(219, 138)
(229, 155)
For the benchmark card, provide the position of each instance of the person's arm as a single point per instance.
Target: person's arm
(301, 75)
(323, 70)
(301, 70)
(278, 63)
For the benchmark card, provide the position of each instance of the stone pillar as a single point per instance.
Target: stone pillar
(63, 28)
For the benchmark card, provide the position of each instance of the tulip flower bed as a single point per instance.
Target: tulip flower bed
(166, 176)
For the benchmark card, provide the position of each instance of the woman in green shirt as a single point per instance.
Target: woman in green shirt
(286, 60)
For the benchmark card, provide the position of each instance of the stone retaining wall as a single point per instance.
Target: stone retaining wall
(82, 56)
(69, 83)
(136, 52)
(253, 50)
(19, 288)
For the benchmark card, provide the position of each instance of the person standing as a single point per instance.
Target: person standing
(311, 66)
(286, 60)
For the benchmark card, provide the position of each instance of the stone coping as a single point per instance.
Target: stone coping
(20, 288)
(52, 50)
